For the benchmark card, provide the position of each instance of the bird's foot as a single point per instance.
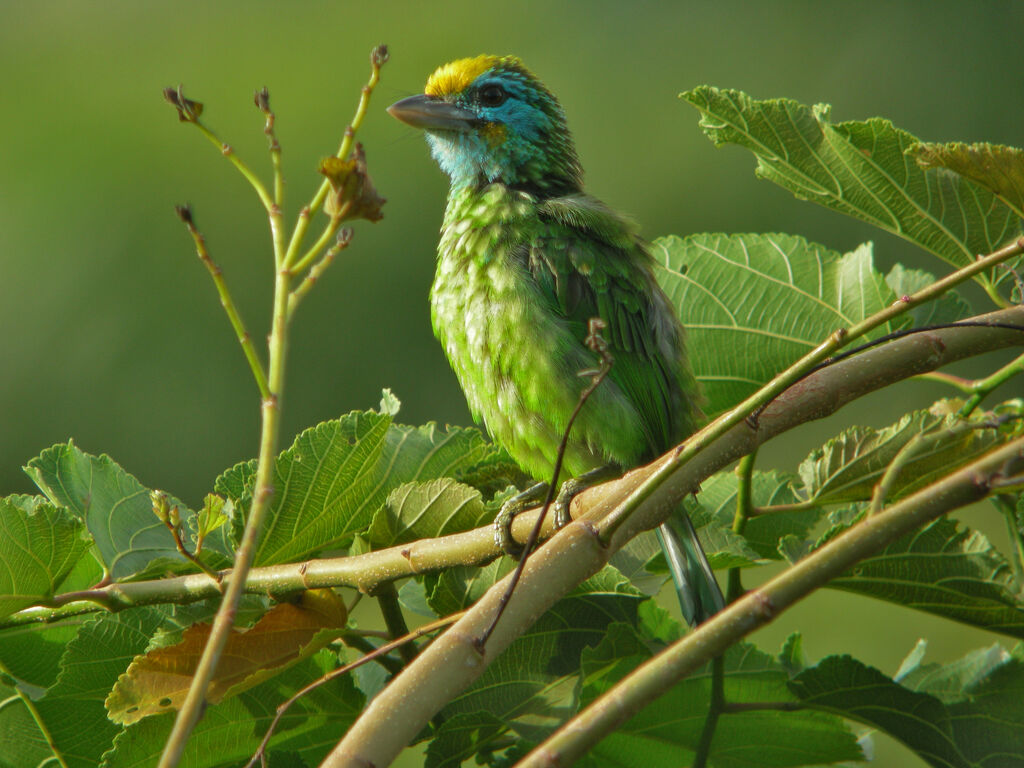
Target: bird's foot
(512, 507)
(574, 486)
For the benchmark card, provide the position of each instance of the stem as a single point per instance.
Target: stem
(983, 387)
(774, 509)
(744, 491)
(716, 708)
(959, 382)
(394, 620)
(235, 160)
(227, 302)
(378, 56)
(194, 703)
(993, 293)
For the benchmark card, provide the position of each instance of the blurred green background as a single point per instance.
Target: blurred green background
(112, 333)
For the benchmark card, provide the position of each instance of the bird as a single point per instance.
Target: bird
(526, 259)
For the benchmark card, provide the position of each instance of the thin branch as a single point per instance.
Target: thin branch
(394, 620)
(426, 629)
(744, 491)
(597, 344)
(983, 387)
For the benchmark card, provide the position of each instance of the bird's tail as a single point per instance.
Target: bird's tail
(699, 594)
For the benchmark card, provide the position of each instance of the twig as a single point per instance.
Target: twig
(426, 629)
(982, 387)
(744, 491)
(226, 301)
(387, 599)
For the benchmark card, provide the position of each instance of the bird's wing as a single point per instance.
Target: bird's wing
(588, 262)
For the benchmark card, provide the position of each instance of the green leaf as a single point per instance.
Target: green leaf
(323, 484)
(230, 731)
(22, 744)
(337, 475)
(859, 168)
(715, 506)
(115, 506)
(947, 308)
(39, 546)
(666, 732)
(754, 304)
(71, 710)
(455, 589)
(848, 466)
(993, 166)
(969, 714)
(944, 570)
(426, 510)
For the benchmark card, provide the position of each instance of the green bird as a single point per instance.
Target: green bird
(526, 259)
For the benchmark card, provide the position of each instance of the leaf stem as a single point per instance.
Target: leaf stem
(394, 620)
(715, 710)
(983, 387)
(744, 492)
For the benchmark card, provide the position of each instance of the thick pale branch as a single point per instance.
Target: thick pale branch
(454, 661)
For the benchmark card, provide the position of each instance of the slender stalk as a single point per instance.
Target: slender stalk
(716, 708)
(764, 604)
(796, 506)
(37, 718)
(993, 293)
(378, 56)
(240, 165)
(227, 302)
(959, 382)
(394, 620)
(983, 387)
(744, 491)
(234, 585)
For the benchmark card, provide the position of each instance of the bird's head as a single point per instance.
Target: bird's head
(488, 119)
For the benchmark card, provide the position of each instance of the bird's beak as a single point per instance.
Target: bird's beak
(422, 111)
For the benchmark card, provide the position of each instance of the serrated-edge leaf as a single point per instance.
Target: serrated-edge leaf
(994, 166)
(859, 168)
(115, 506)
(40, 544)
(753, 304)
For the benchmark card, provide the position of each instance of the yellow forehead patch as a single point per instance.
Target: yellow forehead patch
(455, 76)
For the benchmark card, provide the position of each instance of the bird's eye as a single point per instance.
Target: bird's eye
(492, 95)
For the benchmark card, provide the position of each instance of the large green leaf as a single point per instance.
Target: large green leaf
(847, 467)
(968, 714)
(39, 546)
(944, 570)
(665, 733)
(71, 711)
(993, 166)
(754, 304)
(115, 506)
(426, 510)
(860, 168)
(337, 475)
